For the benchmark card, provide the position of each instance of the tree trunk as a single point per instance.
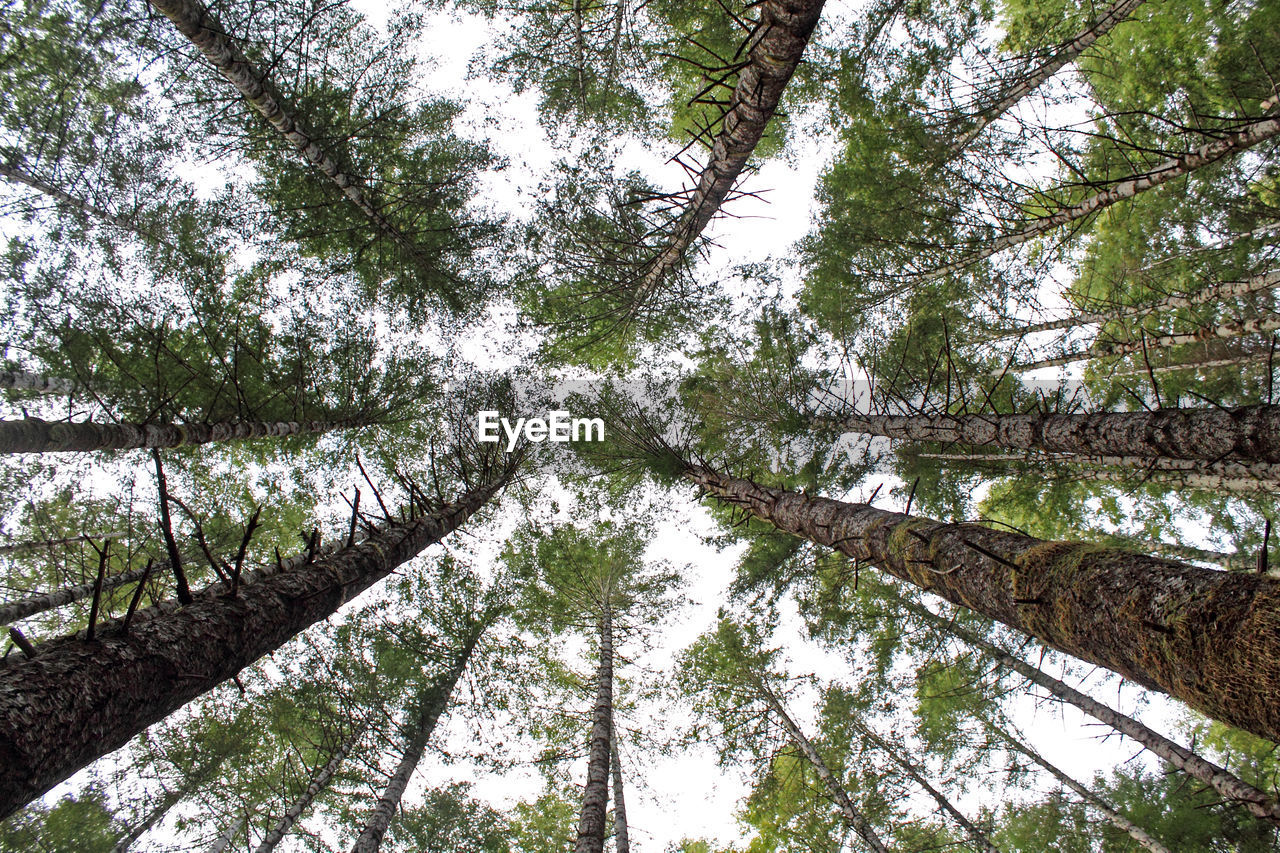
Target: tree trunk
(22, 608)
(319, 782)
(773, 53)
(1117, 820)
(621, 835)
(1209, 481)
(77, 700)
(1231, 788)
(595, 795)
(33, 435)
(196, 22)
(1254, 132)
(228, 835)
(855, 818)
(21, 381)
(1244, 433)
(1231, 562)
(1232, 329)
(192, 782)
(431, 705)
(1206, 364)
(1213, 293)
(1208, 638)
(1099, 27)
(979, 837)
(50, 544)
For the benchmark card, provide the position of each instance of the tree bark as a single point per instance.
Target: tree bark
(1205, 364)
(1257, 802)
(1254, 132)
(1119, 821)
(431, 705)
(33, 435)
(78, 700)
(49, 544)
(1213, 293)
(1245, 433)
(1232, 329)
(1208, 638)
(621, 835)
(1231, 562)
(192, 782)
(197, 23)
(19, 380)
(855, 818)
(228, 835)
(1099, 27)
(319, 782)
(22, 608)
(595, 795)
(979, 837)
(773, 54)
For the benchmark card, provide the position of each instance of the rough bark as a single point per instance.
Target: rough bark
(318, 783)
(979, 837)
(1066, 53)
(1231, 329)
(857, 821)
(196, 22)
(1244, 433)
(33, 435)
(1259, 803)
(595, 795)
(1208, 638)
(431, 705)
(773, 53)
(21, 381)
(78, 700)
(621, 835)
(1252, 133)
(1119, 821)
(22, 608)
(1213, 293)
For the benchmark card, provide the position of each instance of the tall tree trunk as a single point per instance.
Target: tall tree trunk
(979, 837)
(196, 22)
(50, 544)
(1231, 329)
(319, 782)
(773, 54)
(431, 705)
(22, 608)
(1066, 53)
(595, 795)
(1213, 293)
(1232, 562)
(1259, 803)
(1203, 364)
(33, 435)
(1247, 432)
(1119, 821)
(223, 843)
(21, 381)
(192, 782)
(77, 700)
(621, 835)
(1208, 638)
(856, 819)
(1253, 132)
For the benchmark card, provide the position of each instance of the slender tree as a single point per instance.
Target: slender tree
(33, 435)
(315, 785)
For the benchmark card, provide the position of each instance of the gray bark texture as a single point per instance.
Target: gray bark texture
(1259, 803)
(1208, 638)
(773, 53)
(77, 700)
(22, 608)
(592, 826)
(318, 783)
(430, 706)
(22, 381)
(621, 835)
(1245, 433)
(33, 435)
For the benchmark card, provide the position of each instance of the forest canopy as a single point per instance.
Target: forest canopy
(708, 426)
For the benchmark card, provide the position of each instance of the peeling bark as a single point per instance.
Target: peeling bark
(1254, 132)
(78, 700)
(1213, 293)
(1208, 638)
(857, 821)
(595, 795)
(319, 782)
(1257, 802)
(1119, 821)
(1250, 433)
(773, 54)
(431, 705)
(34, 435)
